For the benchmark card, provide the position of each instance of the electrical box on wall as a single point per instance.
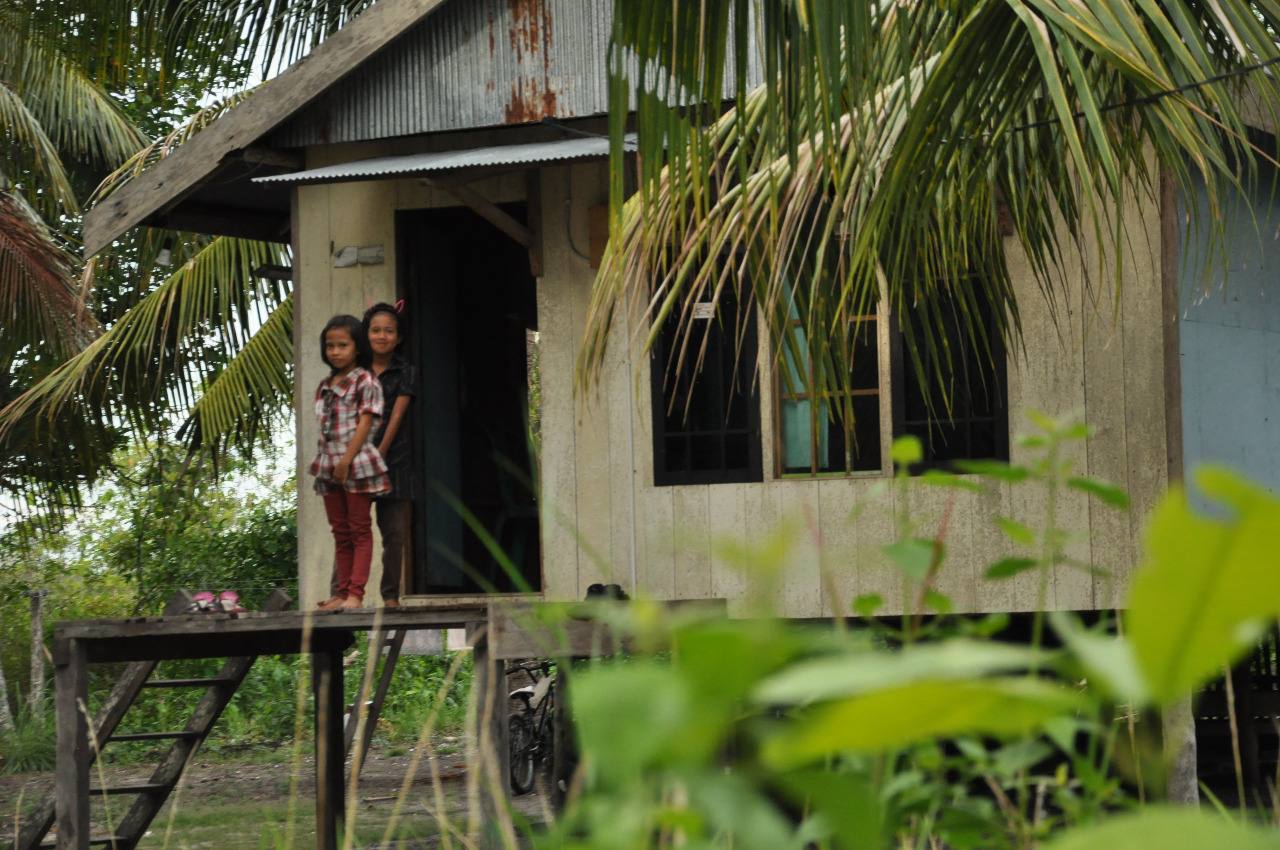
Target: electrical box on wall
(363, 255)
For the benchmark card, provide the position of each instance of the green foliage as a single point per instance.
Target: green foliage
(766, 733)
(30, 745)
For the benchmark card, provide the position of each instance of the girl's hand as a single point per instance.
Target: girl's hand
(342, 471)
(382, 449)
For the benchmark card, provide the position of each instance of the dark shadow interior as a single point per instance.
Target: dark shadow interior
(471, 302)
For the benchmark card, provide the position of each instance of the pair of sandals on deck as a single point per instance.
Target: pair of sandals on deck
(351, 603)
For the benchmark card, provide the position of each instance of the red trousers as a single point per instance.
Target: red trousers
(352, 540)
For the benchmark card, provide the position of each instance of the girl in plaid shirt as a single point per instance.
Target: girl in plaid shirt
(348, 469)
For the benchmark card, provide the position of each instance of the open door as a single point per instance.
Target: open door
(472, 313)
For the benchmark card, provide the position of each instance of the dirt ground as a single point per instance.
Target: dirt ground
(267, 802)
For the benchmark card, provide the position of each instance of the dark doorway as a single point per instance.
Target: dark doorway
(471, 305)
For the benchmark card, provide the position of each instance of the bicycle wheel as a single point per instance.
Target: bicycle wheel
(520, 746)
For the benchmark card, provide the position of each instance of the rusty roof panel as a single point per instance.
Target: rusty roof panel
(475, 63)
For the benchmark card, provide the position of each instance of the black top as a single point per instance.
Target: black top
(398, 379)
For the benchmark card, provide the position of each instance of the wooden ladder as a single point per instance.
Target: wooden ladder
(151, 795)
(378, 640)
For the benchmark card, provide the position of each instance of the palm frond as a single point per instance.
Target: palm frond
(143, 156)
(42, 311)
(250, 391)
(29, 147)
(150, 364)
(153, 42)
(869, 165)
(78, 117)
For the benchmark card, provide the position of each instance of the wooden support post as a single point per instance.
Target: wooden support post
(1177, 720)
(71, 790)
(326, 685)
(492, 757)
(564, 746)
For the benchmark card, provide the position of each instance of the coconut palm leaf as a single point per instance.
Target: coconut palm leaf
(41, 306)
(30, 147)
(149, 43)
(869, 167)
(150, 364)
(78, 117)
(250, 391)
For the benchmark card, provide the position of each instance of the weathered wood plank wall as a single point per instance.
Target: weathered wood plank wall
(602, 518)
(1088, 353)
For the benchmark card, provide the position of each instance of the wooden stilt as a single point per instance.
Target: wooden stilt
(326, 684)
(72, 777)
(493, 758)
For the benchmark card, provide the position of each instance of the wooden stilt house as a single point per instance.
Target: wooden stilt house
(449, 153)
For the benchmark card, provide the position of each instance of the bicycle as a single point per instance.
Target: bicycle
(530, 727)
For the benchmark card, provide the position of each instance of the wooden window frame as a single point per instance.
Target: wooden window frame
(891, 363)
(780, 394)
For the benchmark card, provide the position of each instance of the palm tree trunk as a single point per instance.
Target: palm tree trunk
(36, 695)
(6, 716)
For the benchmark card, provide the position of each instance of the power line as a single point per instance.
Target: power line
(1153, 97)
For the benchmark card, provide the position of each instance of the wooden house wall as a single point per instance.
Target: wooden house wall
(329, 217)
(603, 519)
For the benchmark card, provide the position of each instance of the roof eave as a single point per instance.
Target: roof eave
(163, 187)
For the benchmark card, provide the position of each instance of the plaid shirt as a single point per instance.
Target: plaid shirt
(339, 408)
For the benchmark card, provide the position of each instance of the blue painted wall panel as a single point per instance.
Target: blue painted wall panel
(1230, 342)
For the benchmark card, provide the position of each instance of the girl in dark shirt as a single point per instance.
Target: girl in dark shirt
(382, 323)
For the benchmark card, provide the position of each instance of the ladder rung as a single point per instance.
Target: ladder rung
(100, 840)
(153, 736)
(187, 683)
(136, 788)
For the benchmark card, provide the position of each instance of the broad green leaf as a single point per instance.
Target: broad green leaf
(738, 814)
(635, 716)
(906, 450)
(1108, 494)
(1109, 660)
(1010, 567)
(848, 805)
(1016, 531)
(1018, 756)
(895, 717)
(913, 556)
(850, 674)
(938, 478)
(1206, 585)
(868, 604)
(993, 469)
(1168, 829)
(938, 601)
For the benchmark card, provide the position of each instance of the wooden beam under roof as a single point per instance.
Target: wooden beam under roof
(278, 100)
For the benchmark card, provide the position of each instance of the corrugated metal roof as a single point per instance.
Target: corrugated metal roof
(428, 163)
(475, 63)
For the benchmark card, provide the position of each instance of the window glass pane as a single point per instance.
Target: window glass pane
(704, 453)
(966, 384)
(698, 403)
(677, 453)
(866, 432)
(797, 439)
(856, 448)
(866, 356)
(795, 363)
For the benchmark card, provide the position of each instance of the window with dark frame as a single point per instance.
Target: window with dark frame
(706, 421)
(964, 416)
